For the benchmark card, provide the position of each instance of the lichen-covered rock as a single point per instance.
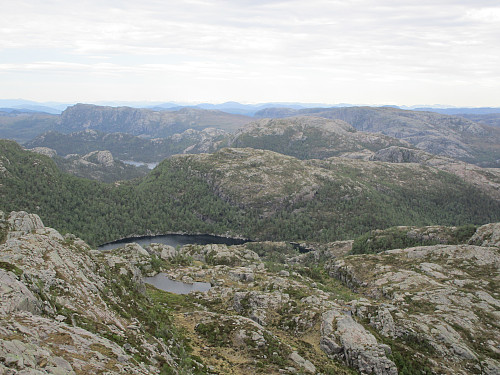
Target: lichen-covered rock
(50, 152)
(16, 296)
(443, 299)
(216, 254)
(487, 235)
(23, 223)
(165, 252)
(242, 274)
(44, 346)
(304, 363)
(104, 158)
(343, 338)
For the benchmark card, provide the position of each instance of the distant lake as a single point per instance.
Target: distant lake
(161, 281)
(140, 164)
(174, 240)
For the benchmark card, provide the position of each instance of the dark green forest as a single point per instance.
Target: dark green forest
(178, 197)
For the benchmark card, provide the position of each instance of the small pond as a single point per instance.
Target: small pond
(161, 281)
(173, 240)
(140, 164)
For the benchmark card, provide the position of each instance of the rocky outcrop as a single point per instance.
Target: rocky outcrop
(99, 165)
(145, 122)
(258, 305)
(309, 137)
(441, 300)
(31, 344)
(50, 152)
(104, 158)
(487, 235)
(21, 223)
(213, 254)
(396, 154)
(344, 338)
(16, 296)
(54, 292)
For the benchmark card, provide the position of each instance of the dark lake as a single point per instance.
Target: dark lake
(161, 281)
(174, 240)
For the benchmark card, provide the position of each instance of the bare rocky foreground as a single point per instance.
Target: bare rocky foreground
(68, 309)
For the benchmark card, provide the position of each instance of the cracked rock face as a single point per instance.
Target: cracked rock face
(442, 299)
(487, 235)
(63, 307)
(23, 223)
(48, 285)
(344, 338)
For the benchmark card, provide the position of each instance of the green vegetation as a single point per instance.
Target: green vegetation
(153, 310)
(79, 166)
(410, 352)
(122, 146)
(12, 268)
(23, 127)
(183, 195)
(403, 237)
(216, 333)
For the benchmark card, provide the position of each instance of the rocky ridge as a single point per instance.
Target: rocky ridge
(68, 309)
(439, 134)
(442, 299)
(310, 137)
(96, 165)
(145, 122)
(56, 316)
(486, 179)
(130, 147)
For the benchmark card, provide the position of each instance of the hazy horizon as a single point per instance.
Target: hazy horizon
(197, 51)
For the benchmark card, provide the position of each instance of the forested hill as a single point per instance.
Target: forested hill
(246, 192)
(129, 147)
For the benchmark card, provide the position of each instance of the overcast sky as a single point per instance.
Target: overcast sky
(349, 51)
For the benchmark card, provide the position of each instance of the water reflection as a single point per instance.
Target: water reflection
(173, 240)
(161, 281)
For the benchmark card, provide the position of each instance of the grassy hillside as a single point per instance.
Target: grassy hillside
(253, 193)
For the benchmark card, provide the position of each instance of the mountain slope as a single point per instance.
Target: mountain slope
(246, 192)
(309, 137)
(130, 147)
(68, 309)
(439, 134)
(24, 127)
(145, 122)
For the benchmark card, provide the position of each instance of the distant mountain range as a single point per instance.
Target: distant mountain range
(439, 134)
(9, 105)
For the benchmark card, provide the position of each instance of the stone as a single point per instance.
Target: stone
(245, 275)
(345, 339)
(22, 223)
(304, 363)
(16, 296)
(487, 235)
